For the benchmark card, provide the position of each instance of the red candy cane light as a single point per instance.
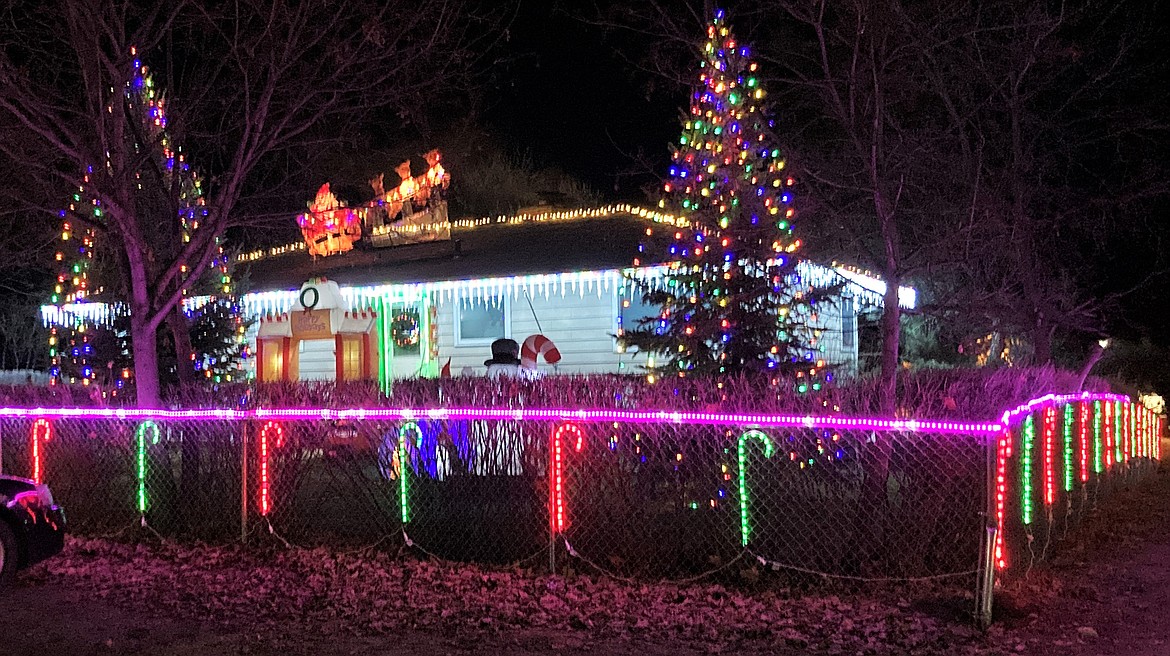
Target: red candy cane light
(557, 473)
(41, 433)
(1083, 439)
(1049, 437)
(275, 432)
(1003, 453)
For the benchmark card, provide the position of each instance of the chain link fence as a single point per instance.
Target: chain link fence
(645, 495)
(1056, 459)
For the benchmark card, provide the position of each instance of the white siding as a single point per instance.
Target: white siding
(579, 325)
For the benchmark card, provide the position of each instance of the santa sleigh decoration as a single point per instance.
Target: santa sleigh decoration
(329, 227)
(535, 347)
(414, 211)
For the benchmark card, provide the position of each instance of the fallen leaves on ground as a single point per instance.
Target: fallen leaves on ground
(325, 592)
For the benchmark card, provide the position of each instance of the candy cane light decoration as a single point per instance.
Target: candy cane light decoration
(557, 515)
(741, 453)
(140, 443)
(403, 466)
(273, 431)
(41, 433)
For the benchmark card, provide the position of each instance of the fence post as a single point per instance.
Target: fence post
(985, 583)
(244, 481)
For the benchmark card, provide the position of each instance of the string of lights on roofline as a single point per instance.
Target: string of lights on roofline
(607, 211)
(867, 292)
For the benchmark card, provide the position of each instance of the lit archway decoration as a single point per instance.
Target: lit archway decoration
(557, 516)
(140, 437)
(271, 438)
(744, 498)
(41, 434)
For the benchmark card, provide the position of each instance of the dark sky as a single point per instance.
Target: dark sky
(573, 103)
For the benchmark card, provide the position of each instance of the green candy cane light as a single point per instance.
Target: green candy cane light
(140, 442)
(404, 466)
(744, 525)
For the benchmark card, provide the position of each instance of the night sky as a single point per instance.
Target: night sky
(567, 98)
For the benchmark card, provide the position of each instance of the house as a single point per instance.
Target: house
(563, 275)
(409, 310)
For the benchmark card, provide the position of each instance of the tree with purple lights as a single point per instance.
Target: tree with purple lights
(730, 296)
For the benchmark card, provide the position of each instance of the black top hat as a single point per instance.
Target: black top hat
(504, 351)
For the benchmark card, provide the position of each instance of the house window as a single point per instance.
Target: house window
(351, 357)
(632, 310)
(272, 367)
(848, 322)
(481, 320)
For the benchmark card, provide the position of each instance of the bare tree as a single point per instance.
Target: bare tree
(253, 87)
(1067, 103)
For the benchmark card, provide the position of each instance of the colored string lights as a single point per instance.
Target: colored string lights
(271, 437)
(40, 435)
(744, 498)
(140, 448)
(728, 180)
(558, 518)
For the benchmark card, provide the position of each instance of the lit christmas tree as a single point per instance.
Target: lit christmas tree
(730, 296)
(215, 329)
(71, 349)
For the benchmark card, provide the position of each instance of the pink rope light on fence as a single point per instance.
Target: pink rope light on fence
(520, 414)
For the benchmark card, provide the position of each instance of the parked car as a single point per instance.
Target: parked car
(32, 526)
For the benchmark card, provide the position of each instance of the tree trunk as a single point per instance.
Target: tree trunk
(1042, 345)
(143, 333)
(144, 346)
(180, 329)
(891, 327)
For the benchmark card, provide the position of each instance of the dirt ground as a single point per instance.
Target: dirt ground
(1107, 594)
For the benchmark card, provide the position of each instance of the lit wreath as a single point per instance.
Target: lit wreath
(404, 331)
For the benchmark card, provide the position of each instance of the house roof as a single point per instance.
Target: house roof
(582, 249)
(490, 251)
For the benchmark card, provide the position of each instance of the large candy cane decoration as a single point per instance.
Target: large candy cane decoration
(753, 434)
(404, 466)
(557, 515)
(42, 432)
(271, 431)
(538, 346)
(140, 443)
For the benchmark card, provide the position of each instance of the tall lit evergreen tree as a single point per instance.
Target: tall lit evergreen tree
(731, 301)
(207, 341)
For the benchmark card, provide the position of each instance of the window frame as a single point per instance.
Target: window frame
(457, 320)
(616, 306)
